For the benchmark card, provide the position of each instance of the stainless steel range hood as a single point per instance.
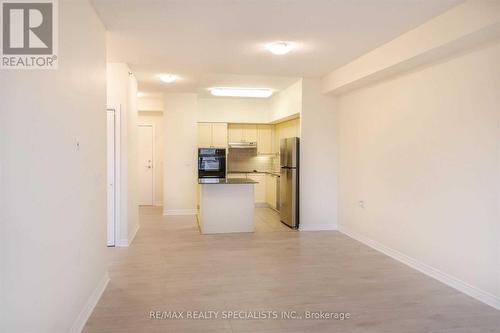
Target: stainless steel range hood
(243, 145)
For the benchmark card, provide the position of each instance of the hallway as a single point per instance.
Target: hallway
(171, 267)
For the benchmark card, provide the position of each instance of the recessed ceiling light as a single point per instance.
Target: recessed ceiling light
(280, 48)
(168, 78)
(241, 92)
(140, 94)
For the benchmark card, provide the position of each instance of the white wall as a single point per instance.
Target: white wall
(156, 120)
(318, 159)
(460, 28)
(179, 162)
(287, 103)
(122, 91)
(234, 110)
(154, 103)
(52, 195)
(422, 151)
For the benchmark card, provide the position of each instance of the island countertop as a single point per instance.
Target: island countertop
(225, 181)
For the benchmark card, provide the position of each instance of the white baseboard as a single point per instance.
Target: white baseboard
(174, 212)
(122, 242)
(125, 242)
(317, 227)
(132, 235)
(89, 306)
(464, 287)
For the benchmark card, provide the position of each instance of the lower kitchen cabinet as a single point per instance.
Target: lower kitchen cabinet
(271, 195)
(260, 188)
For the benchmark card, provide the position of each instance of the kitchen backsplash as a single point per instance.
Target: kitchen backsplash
(247, 160)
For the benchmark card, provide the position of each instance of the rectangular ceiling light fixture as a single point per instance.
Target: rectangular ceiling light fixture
(241, 92)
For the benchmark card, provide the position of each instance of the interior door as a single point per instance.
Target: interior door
(146, 144)
(111, 178)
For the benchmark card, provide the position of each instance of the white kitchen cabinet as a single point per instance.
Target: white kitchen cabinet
(264, 139)
(260, 188)
(271, 181)
(286, 129)
(242, 133)
(276, 140)
(235, 133)
(249, 133)
(212, 135)
(219, 135)
(204, 135)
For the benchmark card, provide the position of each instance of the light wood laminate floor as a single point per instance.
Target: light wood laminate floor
(171, 267)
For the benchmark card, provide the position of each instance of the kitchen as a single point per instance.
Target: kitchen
(253, 155)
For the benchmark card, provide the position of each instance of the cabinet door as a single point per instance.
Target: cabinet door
(296, 127)
(204, 135)
(276, 139)
(260, 187)
(235, 133)
(289, 129)
(249, 133)
(271, 190)
(219, 135)
(264, 139)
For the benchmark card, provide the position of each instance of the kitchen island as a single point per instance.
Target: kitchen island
(226, 205)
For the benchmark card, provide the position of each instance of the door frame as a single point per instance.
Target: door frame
(117, 171)
(153, 162)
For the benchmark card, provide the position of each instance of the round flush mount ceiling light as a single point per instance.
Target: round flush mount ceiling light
(168, 78)
(280, 48)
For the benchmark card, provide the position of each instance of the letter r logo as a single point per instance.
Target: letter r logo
(27, 28)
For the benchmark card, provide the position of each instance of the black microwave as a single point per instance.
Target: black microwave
(211, 163)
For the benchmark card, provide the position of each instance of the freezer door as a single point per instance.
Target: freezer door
(283, 157)
(292, 147)
(289, 152)
(288, 197)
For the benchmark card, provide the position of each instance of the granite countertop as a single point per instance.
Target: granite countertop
(225, 181)
(255, 171)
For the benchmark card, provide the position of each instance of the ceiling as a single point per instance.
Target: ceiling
(221, 42)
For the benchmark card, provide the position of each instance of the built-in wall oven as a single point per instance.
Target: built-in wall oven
(211, 163)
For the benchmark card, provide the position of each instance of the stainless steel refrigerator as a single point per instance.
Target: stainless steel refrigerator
(289, 182)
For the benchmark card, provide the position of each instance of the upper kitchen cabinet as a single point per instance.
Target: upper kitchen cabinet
(249, 133)
(212, 135)
(204, 135)
(286, 129)
(242, 133)
(219, 135)
(235, 133)
(264, 139)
